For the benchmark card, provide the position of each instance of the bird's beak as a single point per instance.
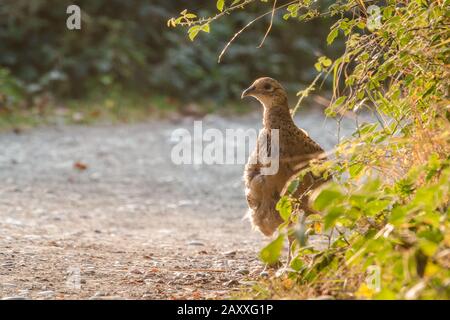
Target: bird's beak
(248, 92)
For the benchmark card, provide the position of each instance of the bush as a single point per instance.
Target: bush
(123, 44)
(388, 207)
(11, 89)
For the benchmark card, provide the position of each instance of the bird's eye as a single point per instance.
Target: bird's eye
(267, 86)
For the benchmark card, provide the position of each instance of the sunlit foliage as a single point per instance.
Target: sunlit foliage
(387, 208)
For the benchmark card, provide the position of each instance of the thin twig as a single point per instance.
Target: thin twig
(270, 25)
(329, 238)
(248, 25)
(196, 270)
(217, 16)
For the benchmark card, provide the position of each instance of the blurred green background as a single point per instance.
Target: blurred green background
(126, 49)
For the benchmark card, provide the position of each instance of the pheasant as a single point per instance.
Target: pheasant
(296, 148)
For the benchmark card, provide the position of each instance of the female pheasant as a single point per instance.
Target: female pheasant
(296, 148)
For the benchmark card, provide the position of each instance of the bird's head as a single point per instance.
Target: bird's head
(268, 91)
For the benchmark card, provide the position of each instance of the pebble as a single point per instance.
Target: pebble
(195, 243)
(243, 272)
(230, 253)
(136, 271)
(264, 274)
(14, 298)
(231, 283)
(100, 294)
(8, 264)
(89, 271)
(95, 176)
(106, 298)
(200, 275)
(47, 293)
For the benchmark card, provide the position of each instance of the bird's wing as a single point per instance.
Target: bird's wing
(309, 144)
(254, 165)
(299, 149)
(252, 168)
(255, 182)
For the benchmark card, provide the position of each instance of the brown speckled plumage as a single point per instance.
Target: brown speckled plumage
(295, 149)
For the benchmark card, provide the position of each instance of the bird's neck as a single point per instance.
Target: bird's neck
(276, 116)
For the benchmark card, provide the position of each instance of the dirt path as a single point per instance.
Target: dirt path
(131, 225)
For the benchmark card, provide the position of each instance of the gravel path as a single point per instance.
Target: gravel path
(131, 225)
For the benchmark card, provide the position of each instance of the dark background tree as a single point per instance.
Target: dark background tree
(124, 45)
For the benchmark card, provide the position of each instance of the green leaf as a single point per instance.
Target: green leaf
(293, 10)
(318, 66)
(220, 5)
(284, 207)
(297, 263)
(429, 248)
(326, 198)
(326, 62)
(364, 56)
(332, 35)
(205, 27)
(361, 25)
(293, 186)
(271, 253)
(332, 216)
(397, 216)
(193, 31)
(355, 169)
(376, 206)
(339, 101)
(427, 197)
